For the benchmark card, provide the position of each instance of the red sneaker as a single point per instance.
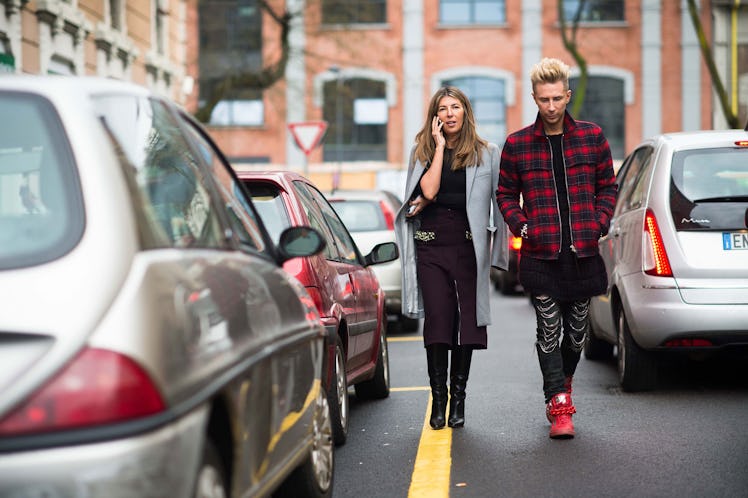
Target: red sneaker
(560, 409)
(567, 386)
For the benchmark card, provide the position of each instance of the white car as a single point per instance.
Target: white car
(152, 345)
(370, 218)
(676, 254)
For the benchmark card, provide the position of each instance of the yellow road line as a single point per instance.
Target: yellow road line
(431, 470)
(406, 389)
(405, 339)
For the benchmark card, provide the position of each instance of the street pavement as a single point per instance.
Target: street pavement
(689, 438)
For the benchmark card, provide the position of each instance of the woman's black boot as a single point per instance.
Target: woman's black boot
(458, 377)
(437, 356)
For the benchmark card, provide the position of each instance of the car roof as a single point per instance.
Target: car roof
(54, 86)
(703, 138)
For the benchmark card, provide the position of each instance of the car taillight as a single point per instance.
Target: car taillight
(515, 243)
(689, 343)
(656, 261)
(389, 216)
(97, 387)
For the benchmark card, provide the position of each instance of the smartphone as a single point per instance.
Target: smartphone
(412, 209)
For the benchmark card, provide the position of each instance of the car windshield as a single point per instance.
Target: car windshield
(41, 212)
(709, 189)
(360, 215)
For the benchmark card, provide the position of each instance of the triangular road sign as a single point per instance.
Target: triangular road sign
(308, 134)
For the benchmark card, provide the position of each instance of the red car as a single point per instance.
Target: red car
(339, 279)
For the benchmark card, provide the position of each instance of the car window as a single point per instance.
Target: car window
(173, 193)
(267, 200)
(709, 188)
(41, 209)
(632, 182)
(360, 215)
(242, 217)
(343, 241)
(317, 220)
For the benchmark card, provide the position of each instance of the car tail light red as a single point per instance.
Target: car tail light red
(515, 243)
(656, 261)
(389, 216)
(97, 387)
(688, 343)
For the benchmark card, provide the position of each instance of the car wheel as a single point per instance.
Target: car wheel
(314, 477)
(377, 387)
(337, 396)
(637, 370)
(211, 476)
(597, 349)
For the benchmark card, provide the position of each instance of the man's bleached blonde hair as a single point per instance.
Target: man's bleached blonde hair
(550, 71)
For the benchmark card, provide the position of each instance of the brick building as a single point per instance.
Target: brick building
(369, 67)
(135, 40)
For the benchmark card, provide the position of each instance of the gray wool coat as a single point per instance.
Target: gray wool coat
(486, 224)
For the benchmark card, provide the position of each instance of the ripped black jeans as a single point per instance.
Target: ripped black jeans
(567, 321)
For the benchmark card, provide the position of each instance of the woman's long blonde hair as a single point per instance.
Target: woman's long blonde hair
(469, 145)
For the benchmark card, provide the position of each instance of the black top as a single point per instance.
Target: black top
(452, 188)
(568, 277)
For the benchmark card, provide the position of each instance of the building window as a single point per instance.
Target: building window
(487, 96)
(472, 12)
(231, 43)
(594, 10)
(354, 11)
(115, 14)
(58, 65)
(604, 105)
(356, 110)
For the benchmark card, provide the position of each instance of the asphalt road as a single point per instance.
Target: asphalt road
(689, 438)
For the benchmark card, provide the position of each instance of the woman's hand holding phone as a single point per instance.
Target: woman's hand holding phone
(436, 131)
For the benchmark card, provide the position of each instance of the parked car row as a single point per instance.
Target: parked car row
(341, 282)
(151, 341)
(676, 255)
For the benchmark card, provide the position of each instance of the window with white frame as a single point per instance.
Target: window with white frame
(488, 99)
(231, 44)
(354, 11)
(592, 11)
(604, 105)
(466, 12)
(357, 113)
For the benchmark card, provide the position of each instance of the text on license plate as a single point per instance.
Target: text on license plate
(732, 241)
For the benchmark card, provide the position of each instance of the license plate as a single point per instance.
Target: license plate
(734, 241)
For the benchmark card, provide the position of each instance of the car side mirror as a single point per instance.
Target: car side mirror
(299, 242)
(382, 253)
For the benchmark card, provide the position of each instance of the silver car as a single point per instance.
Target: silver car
(370, 217)
(150, 342)
(676, 254)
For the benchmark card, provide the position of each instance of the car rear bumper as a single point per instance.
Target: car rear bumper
(162, 463)
(658, 314)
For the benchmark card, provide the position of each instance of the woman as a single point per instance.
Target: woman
(446, 234)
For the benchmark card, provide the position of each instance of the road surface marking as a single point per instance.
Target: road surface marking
(405, 339)
(431, 471)
(406, 389)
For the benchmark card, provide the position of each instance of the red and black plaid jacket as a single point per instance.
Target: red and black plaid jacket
(527, 169)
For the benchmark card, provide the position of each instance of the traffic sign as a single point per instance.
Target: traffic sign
(308, 134)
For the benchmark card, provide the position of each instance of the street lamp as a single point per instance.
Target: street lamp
(338, 127)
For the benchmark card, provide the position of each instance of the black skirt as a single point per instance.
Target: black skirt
(567, 278)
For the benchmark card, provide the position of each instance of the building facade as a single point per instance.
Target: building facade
(368, 68)
(143, 41)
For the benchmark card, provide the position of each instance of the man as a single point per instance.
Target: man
(563, 171)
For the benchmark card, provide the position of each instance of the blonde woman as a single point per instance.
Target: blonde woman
(450, 233)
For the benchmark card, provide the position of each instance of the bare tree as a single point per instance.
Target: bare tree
(706, 53)
(569, 38)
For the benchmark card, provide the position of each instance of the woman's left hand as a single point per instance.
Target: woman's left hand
(416, 206)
